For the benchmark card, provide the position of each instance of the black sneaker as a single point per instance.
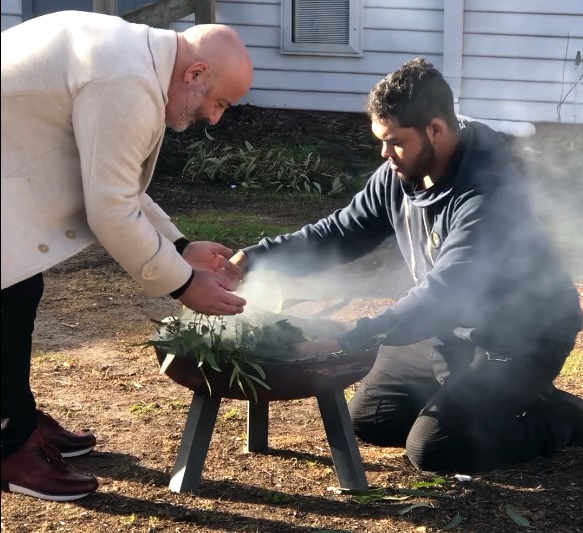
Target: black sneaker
(569, 408)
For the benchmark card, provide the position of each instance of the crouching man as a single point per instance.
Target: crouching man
(463, 379)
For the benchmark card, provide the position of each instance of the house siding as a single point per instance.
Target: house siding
(407, 29)
(11, 13)
(519, 60)
(16, 11)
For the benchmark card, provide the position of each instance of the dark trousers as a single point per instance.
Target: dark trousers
(469, 413)
(18, 408)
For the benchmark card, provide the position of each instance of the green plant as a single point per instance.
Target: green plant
(128, 520)
(144, 408)
(292, 169)
(239, 346)
(233, 413)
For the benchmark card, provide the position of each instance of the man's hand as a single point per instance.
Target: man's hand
(317, 347)
(212, 257)
(209, 293)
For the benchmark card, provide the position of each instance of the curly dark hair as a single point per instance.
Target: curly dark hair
(414, 95)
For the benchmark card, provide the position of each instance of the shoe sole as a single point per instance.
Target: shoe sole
(76, 453)
(40, 495)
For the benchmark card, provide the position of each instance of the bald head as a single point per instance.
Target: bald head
(215, 44)
(212, 71)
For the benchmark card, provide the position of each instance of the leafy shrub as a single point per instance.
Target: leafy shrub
(276, 167)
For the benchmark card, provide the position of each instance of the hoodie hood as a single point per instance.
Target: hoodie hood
(476, 146)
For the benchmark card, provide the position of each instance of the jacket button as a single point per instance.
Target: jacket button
(43, 248)
(70, 233)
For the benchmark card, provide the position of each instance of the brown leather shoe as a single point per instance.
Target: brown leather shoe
(68, 443)
(37, 469)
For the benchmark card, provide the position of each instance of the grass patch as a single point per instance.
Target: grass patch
(39, 355)
(574, 364)
(158, 407)
(234, 228)
(52, 357)
(233, 413)
(145, 408)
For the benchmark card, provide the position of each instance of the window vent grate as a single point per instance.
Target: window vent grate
(321, 21)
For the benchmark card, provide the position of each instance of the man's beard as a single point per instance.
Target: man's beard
(422, 166)
(191, 111)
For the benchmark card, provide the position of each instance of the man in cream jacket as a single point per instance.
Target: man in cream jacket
(85, 102)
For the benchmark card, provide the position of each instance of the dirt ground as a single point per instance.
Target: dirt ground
(90, 372)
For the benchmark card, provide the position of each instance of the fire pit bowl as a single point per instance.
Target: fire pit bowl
(287, 376)
(288, 380)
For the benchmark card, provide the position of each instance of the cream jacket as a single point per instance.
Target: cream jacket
(83, 107)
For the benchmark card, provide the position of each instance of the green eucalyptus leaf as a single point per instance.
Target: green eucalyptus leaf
(428, 484)
(424, 493)
(455, 522)
(206, 381)
(405, 510)
(211, 360)
(166, 363)
(257, 368)
(233, 376)
(516, 518)
(257, 380)
(368, 498)
(250, 386)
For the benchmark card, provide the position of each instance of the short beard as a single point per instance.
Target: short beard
(190, 112)
(423, 165)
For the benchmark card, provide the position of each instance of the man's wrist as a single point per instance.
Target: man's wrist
(181, 290)
(181, 244)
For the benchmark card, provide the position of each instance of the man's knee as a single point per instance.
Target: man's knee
(434, 446)
(378, 421)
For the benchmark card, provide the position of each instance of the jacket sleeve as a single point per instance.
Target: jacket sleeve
(479, 241)
(116, 121)
(159, 218)
(344, 236)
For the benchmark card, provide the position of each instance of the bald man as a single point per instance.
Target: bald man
(85, 102)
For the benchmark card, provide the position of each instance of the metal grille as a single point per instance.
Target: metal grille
(321, 21)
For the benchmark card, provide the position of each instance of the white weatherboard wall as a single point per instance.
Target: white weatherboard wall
(392, 35)
(11, 13)
(511, 63)
(505, 59)
(514, 65)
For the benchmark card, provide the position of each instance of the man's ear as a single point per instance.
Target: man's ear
(195, 71)
(437, 130)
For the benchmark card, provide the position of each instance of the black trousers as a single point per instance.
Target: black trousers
(18, 408)
(466, 412)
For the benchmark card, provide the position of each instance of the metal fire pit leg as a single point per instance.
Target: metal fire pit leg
(195, 443)
(257, 426)
(342, 441)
